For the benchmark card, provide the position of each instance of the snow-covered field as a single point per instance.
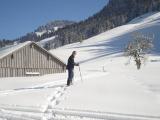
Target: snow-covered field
(110, 87)
(44, 41)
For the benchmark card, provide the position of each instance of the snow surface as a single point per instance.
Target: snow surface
(44, 41)
(111, 88)
(4, 51)
(40, 33)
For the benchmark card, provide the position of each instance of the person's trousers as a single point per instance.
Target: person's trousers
(70, 76)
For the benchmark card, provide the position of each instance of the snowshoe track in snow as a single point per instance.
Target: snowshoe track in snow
(71, 114)
(54, 84)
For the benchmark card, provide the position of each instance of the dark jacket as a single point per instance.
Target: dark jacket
(71, 63)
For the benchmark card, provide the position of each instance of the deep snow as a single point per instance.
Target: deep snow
(111, 89)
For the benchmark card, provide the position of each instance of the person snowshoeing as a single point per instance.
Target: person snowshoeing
(70, 68)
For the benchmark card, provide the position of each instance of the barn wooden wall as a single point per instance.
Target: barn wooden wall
(30, 58)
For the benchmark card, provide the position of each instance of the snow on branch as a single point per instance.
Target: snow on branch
(139, 46)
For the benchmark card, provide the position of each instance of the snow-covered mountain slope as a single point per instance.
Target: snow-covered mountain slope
(40, 33)
(109, 88)
(43, 42)
(115, 86)
(114, 41)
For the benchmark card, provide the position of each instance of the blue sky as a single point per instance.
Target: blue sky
(17, 17)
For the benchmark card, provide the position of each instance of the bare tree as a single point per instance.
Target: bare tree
(139, 47)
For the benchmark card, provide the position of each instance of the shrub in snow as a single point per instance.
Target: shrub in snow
(139, 47)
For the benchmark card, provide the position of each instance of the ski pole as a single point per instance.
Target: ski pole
(80, 73)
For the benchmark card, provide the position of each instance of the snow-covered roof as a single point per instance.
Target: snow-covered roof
(11, 48)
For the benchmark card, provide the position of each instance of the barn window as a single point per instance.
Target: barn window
(12, 56)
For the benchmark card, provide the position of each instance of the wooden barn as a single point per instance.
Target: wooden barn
(28, 59)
